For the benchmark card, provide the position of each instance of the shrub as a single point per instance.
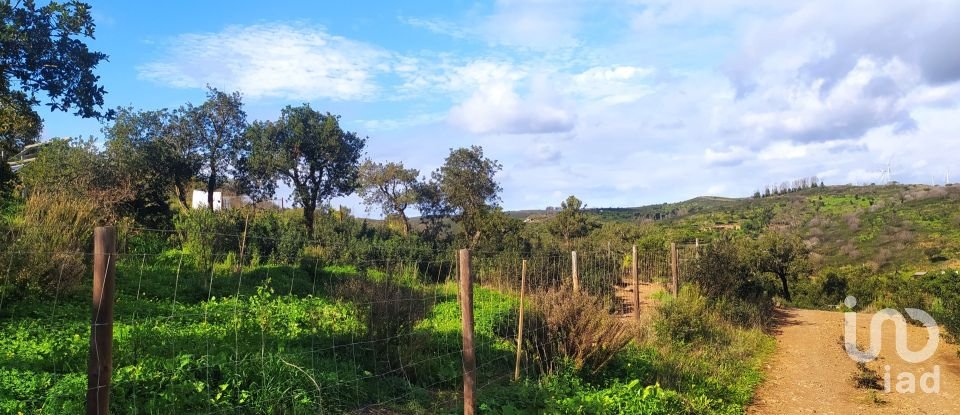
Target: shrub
(723, 269)
(575, 326)
(687, 318)
(275, 235)
(51, 238)
(206, 235)
(570, 395)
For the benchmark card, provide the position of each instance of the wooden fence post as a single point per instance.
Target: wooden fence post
(466, 311)
(576, 274)
(674, 268)
(636, 283)
(523, 288)
(100, 363)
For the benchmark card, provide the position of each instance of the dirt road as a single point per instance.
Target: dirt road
(810, 373)
(624, 292)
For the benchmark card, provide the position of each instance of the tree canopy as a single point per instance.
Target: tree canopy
(783, 255)
(41, 51)
(467, 188)
(572, 221)
(389, 187)
(216, 128)
(309, 152)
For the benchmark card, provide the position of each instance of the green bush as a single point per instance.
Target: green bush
(51, 239)
(206, 236)
(688, 318)
(568, 394)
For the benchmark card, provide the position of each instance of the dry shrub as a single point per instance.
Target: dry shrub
(54, 234)
(850, 250)
(853, 221)
(575, 327)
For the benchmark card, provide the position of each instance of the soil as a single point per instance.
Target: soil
(810, 373)
(625, 298)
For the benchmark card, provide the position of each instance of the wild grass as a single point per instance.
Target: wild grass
(338, 338)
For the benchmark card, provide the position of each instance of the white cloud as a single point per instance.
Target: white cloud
(497, 108)
(521, 24)
(537, 24)
(294, 62)
(615, 84)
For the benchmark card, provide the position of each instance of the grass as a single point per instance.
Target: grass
(283, 339)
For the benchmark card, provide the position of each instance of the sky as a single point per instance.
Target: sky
(619, 102)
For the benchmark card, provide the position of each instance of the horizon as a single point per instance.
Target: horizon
(621, 103)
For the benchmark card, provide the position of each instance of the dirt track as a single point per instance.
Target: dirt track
(624, 292)
(810, 373)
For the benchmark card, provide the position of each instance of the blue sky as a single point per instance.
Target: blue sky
(619, 102)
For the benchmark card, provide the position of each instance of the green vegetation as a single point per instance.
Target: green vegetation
(305, 337)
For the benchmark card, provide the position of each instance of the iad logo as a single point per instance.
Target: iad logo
(906, 381)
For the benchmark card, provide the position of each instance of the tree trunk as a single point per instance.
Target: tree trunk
(308, 210)
(786, 287)
(211, 186)
(404, 223)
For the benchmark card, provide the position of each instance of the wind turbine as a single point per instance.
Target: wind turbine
(886, 175)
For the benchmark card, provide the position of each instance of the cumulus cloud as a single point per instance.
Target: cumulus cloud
(498, 108)
(870, 95)
(827, 39)
(271, 60)
(615, 84)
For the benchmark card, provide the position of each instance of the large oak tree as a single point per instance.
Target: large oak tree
(467, 189)
(216, 128)
(308, 151)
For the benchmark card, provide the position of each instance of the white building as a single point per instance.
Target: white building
(199, 200)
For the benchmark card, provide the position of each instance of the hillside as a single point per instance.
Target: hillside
(907, 228)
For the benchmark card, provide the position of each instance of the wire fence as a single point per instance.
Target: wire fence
(219, 332)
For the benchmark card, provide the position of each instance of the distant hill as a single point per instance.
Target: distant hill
(885, 227)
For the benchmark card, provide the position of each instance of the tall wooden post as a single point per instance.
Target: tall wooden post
(674, 268)
(523, 288)
(636, 283)
(100, 363)
(466, 311)
(576, 274)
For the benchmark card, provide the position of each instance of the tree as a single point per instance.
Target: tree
(40, 51)
(308, 151)
(389, 187)
(217, 128)
(467, 188)
(783, 255)
(722, 268)
(158, 147)
(147, 146)
(572, 222)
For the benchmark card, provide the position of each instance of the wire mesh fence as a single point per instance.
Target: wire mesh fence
(227, 331)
